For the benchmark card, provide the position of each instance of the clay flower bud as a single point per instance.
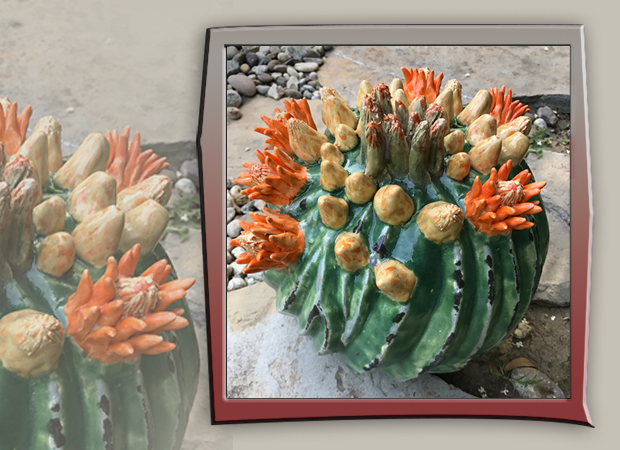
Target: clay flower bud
(21, 242)
(335, 111)
(96, 192)
(5, 214)
(419, 105)
(332, 176)
(49, 216)
(521, 124)
(31, 342)
(441, 222)
(35, 149)
(445, 100)
(481, 104)
(56, 254)
(375, 150)
(351, 251)
(482, 128)
(360, 188)
(90, 157)
(18, 169)
(51, 127)
(144, 225)
(457, 95)
(393, 205)
(454, 142)
(334, 211)
(346, 138)
(395, 85)
(383, 98)
(157, 187)
(304, 140)
(514, 147)
(484, 156)
(458, 166)
(365, 88)
(97, 238)
(329, 152)
(395, 280)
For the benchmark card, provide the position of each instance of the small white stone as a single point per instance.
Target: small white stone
(186, 186)
(233, 229)
(230, 213)
(237, 252)
(236, 283)
(238, 269)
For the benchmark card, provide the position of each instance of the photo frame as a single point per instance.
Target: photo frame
(212, 150)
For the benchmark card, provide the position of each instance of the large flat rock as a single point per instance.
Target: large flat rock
(554, 168)
(272, 360)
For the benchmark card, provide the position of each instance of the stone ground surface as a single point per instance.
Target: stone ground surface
(98, 82)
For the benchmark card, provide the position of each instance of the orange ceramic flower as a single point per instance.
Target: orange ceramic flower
(119, 317)
(499, 205)
(276, 129)
(272, 241)
(127, 164)
(13, 127)
(503, 108)
(422, 82)
(276, 180)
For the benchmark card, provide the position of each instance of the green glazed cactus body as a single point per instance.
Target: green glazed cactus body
(471, 287)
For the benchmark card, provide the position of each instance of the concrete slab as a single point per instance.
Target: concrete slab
(526, 70)
(271, 360)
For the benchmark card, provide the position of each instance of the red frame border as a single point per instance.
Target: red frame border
(212, 162)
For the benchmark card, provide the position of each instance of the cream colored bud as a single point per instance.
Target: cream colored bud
(96, 192)
(457, 95)
(395, 85)
(351, 251)
(305, 141)
(481, 104)
(459, 166)
(365, 88)
(346, 138)
(56, 254)
(335, 111)
(484, 156)
(97, 238)
(144, 225)
(360, 188)
(514, 147)
(329, 152)
(31, 342)
(51, 127)
(393, 205)
(395, 280)
(90, 157)
(454, 142)
(156, 187)
(401, 97)
(521, 124)
(441, 222)
(35, 149)
(482, 128)
(445, 100)
(49, 216)
(334, 211)
(333, 176)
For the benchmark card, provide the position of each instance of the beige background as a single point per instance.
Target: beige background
(151, 26)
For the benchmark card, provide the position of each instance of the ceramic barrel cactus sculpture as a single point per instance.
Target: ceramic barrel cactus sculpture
(411, 236)
(97, 348)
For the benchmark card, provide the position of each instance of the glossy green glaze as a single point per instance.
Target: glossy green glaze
(85, 404)
(470, 294)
